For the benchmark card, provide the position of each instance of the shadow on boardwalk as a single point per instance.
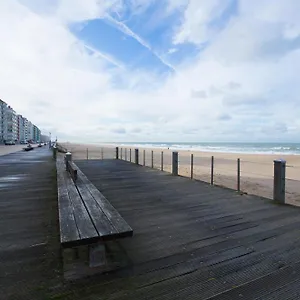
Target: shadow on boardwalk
(191, 240)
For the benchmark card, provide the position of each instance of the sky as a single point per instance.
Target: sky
(154, 70)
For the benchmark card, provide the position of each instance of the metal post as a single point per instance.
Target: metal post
(152, 163)
(279, 181)
(175, 163)
(68, 158)
(87, 153)
(162, 161)
(121, 153)
(212, 171)
(144, 158)
(101, 153)
(117, 152)
(130, 154)
(192, 166)
(238, 174)
(126, 154)
(137, 156)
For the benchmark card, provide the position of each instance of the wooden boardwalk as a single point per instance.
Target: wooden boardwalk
(195, 241)
(191, 240)
(28, 232)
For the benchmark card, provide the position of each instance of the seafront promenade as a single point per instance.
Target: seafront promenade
(191, 240)
(10, 149)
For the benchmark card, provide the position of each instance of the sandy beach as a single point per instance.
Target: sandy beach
(256, 169)
(10, 149)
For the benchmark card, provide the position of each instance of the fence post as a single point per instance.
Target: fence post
(117, 152)
(192, 166)
(144, 158)
(136, 156)
(152, 163)
(162, 161)
(87, 153)
(238, 174)
(175, 163)
(130, 154)
(68, 158)
(121, 153)
(279, 181)
(212, 171)
(102, 153)
(126, 154)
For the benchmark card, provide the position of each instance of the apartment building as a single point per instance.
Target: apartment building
(36, 134)
(16, 128)
(11, 133)
(21, 128)
(29, 132)
(3, 123)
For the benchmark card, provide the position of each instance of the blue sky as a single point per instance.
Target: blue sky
(150, 70)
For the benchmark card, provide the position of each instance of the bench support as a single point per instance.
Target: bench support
(97, 257)
(68, 158)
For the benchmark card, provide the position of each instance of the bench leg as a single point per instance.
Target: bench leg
(75, 253)
(97, 255)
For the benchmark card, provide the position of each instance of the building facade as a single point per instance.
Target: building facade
(36, 134)
(11, 133)
(16, 128)
(21, 128)
(3, 123)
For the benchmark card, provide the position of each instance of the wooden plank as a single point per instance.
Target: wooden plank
(103, 226)
(83, 221)
(72, 170)
(111, 213)
(67, 223)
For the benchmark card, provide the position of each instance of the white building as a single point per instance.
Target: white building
(21, 128)
(12, 125)
(3, 122)
(30, 133)
(25, 129)
(15, 127)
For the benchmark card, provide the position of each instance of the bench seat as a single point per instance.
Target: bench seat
(85, 215)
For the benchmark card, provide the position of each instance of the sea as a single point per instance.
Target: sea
(250, 148)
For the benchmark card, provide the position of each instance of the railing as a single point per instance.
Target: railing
(244, 176)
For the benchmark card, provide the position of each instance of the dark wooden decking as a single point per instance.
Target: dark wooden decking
(191, 240)
(194, 241)
(28, 198)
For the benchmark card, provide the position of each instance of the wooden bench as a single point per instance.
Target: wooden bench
(85, 216)
(72, 169)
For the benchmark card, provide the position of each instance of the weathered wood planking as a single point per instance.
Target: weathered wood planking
(121, 226)
(84, 223)
(72, 170)
(195, 241)
(68, 229)
(98, 217)
(85, 217)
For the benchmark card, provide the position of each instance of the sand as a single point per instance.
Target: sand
(256, 169)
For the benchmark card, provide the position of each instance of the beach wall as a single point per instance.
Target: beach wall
(256, 170)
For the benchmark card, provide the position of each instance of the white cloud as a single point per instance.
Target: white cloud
(172, 50)
(125, 29)
(198, 16)
(244, 84)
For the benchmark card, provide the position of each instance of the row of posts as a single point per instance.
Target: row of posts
(279, 170)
